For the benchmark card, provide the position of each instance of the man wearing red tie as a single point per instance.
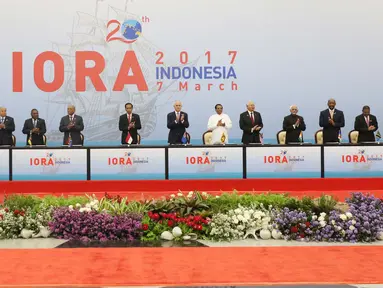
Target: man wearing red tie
(129, 124)
(331, 120)
(366, 124)
(177, 123)
(250, 123)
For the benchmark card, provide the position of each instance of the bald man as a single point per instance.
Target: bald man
(251, 124)
(72, 125)
(331, 120)
(293, 125)
(177, 124)
(7, 126)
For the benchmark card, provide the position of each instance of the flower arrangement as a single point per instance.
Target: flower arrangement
(240, 223)
(193, 215)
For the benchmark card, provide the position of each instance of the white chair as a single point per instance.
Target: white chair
(319, 137)
(207, 137)
(353, 136)
(281, 137)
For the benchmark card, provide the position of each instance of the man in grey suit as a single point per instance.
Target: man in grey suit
(72, 125)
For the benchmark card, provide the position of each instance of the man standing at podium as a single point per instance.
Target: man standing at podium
(331, 120)
(250, 123)
(177, 123)
(129, 124)
(35, 129)
(293, 125)
(72, 125)
(219, 124)
(7, 126)
(366, 124)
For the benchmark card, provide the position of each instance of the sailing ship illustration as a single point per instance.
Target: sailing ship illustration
(289, 166)
(101, 110)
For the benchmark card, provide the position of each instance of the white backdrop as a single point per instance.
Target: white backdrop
(288, 52)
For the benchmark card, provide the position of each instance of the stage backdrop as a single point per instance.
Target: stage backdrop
(202, 52)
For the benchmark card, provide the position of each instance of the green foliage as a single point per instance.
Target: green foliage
(325, 204)
(62, 201)
(21, 202)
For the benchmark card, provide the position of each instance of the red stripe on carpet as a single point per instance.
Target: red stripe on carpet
(324, 184)
(192, 266)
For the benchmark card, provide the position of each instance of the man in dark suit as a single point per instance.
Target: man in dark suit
(331, 120)
(129, 124)
(250, 123)
(72, 125)
(293, 125)
(366, 124)
(7, 126)
(35, 128)
(177, 123)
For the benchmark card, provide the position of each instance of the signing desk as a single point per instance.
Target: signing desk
(191, 162)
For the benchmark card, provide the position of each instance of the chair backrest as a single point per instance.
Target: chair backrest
(45, 139)
(13, 140)
(319, 137)
(207, 137)
(82, 139)
(281, 137)
(138, 138)
(187, 138)
(353, 136)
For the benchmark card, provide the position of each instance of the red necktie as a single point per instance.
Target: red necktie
(367, 121)
(252, 118)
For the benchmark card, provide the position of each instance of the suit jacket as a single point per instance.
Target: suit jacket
(176, 129)
(330, 133)
(75, 131)
(6, 133)
(292, 134)
(37, 138)
(361, 126)
(123, 125)
(245, 124)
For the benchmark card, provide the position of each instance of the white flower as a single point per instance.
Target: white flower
(321, 218)
(322, 223)
(177, 232)
(323, 214)
(180, 194)
(87, 205)
(78, 205)
(353, 222)
(315, 217)
(333, 222)
(70, 207)
(237, 211)
(235, 221)
(217, 196)
(351, 228)
(240, 218)
(348, 214)
(173, 196)
(343, 217)
(204, 194)
(246, 215)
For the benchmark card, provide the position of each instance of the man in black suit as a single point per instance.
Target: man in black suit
(7, 126)
(177, 123)
(366, 124)
(331, 120)
(251, 123)
(129, 124)
(35, 128)
(72, 125)
(293, 125)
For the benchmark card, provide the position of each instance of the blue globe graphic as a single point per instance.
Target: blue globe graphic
(131, 29)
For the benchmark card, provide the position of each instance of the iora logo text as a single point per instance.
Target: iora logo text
(48, 160)
(127, 160)
(361, 157)
(282, 158)
(205, 159)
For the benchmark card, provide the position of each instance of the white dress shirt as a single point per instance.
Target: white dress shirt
(218, 131)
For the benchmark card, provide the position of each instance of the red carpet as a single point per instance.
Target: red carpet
(192, 266)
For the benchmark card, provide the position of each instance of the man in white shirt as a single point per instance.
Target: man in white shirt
(219, 124)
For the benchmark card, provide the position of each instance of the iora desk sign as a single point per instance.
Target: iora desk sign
(130, 72)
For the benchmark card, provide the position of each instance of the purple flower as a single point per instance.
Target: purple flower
(88, 226)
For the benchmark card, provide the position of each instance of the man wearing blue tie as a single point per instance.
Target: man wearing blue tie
(177, 123)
